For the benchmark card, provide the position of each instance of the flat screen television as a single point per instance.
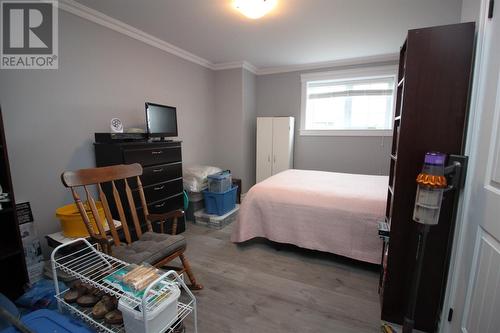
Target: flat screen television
(161, 120)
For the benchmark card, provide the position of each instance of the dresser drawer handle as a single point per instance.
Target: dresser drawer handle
(158, 170)
(160, 205)
(159, 188)
(156, 152)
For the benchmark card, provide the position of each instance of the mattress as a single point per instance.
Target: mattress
(326, 211)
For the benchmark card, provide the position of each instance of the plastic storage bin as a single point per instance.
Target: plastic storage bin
(72, 224)
(220, 203)
(50, 321)
(220, 182)
(216, 221)
(196, 203)
(157, 319)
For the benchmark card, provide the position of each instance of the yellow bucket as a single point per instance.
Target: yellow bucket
(72, 224)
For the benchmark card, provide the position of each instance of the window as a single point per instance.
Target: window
(352, 102)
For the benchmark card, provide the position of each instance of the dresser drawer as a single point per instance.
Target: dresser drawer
(167, 205)
(152, 156)
(160, 173)
(160, 191)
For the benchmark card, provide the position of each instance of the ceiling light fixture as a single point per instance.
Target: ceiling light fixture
(254, 9)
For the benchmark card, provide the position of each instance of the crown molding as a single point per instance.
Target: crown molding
(75, 8)
(251, 68)
(228, 65)
(236, 64)
(335, 63)
(95, 16)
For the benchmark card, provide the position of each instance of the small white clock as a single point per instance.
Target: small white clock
(116, 125)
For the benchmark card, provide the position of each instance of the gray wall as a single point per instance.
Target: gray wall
(235, 109)
(229, 120)
(280, 94)
(249, 127)
(51, 115)
(471, 10)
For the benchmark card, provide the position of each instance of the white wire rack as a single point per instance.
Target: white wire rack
(83, 261)
(86, 315)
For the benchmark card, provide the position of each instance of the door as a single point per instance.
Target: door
(475, 278)
(282, 153)
(264, 148)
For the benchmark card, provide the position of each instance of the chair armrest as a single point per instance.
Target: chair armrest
(165, 216)
(162, 218)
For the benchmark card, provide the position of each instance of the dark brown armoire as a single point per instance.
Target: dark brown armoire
(14, 275)
(430, 115)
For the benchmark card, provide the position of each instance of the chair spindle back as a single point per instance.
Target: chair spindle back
(85, 178)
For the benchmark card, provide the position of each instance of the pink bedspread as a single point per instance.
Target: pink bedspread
(326, 211)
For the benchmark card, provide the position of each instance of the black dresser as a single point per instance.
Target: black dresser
(161, 179)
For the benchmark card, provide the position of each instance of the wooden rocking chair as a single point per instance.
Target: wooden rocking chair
(157, 249)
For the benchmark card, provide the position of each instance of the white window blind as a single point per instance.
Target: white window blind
(348, 104)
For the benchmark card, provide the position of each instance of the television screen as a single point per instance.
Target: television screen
(161, 120)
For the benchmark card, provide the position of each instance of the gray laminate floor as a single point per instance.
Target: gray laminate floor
(257, 288)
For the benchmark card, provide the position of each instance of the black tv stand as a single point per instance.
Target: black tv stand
(160, 140)
(120, 137)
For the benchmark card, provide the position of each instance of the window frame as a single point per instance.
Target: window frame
(342, 75)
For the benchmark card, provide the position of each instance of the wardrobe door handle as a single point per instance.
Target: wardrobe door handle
(269, 158)
(274, 159)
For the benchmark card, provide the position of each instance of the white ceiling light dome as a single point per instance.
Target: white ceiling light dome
(254, 9)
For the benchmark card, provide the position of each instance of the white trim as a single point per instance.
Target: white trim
(358, 73)
(95, 16)
(248, 66)
(460, 236)
(493, 161)
(367, 132)
(228, 65)
(334, 63)
(235, 64)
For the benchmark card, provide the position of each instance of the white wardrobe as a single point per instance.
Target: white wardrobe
(274, 146)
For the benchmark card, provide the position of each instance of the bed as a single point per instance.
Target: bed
(326, 211)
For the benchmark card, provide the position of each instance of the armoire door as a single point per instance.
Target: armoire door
(282, 146)
(264, 148)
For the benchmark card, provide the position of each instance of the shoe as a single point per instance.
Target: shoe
(77, 290)
(105, 305)
(114, 317)
(180, 328)
(87, 301)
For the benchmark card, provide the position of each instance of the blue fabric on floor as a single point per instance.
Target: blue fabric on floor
(40, 295)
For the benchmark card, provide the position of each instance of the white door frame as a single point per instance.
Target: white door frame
(471, 142)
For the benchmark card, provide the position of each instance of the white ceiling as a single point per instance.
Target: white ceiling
(297, 32)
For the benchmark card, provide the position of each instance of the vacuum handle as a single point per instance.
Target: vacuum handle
(14, 321)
